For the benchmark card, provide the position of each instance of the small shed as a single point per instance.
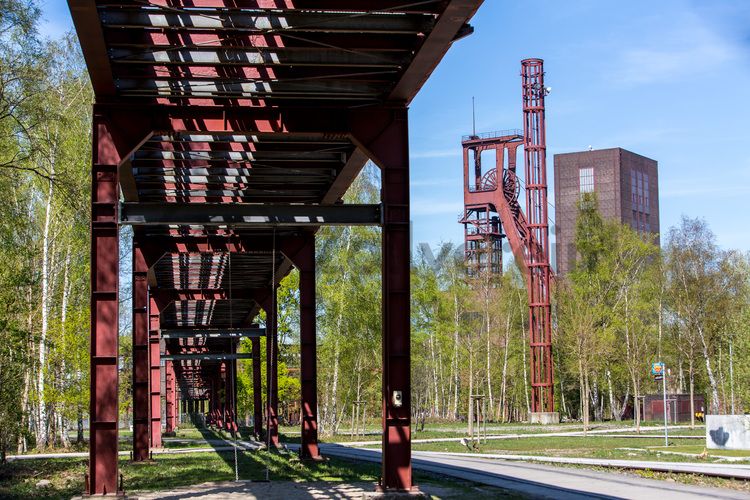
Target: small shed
(678, 407)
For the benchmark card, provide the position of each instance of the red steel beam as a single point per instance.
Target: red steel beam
(140, 356)
(170, 393)
(104, 312)
(89, 28)
(155, 372)
(305, 262)
(450, 24)
(272, 369)
(384, 134)
(257, 388)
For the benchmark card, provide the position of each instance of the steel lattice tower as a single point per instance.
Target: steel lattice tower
(492, 211)
(535, 153)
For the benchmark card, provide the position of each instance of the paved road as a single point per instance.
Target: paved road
(544, 481)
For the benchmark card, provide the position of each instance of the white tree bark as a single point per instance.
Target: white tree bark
(503, 390)
(454, 365)
(489, 366)
(62, 429)
(523, 352)
(43, 426)
(436, 401)
(710, 373)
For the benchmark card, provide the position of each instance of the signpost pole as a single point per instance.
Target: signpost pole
(664, 393)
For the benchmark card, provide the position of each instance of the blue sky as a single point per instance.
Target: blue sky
(668, 79)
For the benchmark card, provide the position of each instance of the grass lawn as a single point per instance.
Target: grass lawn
(591, 446)
(699, 448)
(18, 479)
(438, 430)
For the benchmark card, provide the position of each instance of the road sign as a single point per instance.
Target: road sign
(657, 369)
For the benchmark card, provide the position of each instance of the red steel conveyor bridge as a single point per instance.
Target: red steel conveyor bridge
(226, 132)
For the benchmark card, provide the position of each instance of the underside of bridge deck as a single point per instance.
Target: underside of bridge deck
(226, 132)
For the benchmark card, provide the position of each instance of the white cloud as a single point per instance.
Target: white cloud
(689, 48)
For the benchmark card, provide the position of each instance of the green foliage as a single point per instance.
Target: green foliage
(45, 114)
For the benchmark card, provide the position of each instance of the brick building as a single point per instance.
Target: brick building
(626, 185)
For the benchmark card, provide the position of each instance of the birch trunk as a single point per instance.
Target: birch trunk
(584, 390)
(612, 406)
(436, 404)
(471, 391)
(335, 384)
(454, 367)
(624, 407)
(523, 352)
(64, 441)
(489, 367)
(42, 428)
(731, 376)
(503, 389)
(691, 376)
(710, 373)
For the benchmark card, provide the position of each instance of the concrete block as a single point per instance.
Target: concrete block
(728, 432)
(545, 418)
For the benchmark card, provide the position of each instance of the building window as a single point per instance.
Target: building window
(586, 179)
(639, 195)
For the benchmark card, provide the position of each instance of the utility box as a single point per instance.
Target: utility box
(728, 432)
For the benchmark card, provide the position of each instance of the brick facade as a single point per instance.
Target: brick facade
(626, 185)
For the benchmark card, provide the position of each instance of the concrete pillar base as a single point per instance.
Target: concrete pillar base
(545, 418)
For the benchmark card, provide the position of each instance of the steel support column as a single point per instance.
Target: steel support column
(104, 313)
(272, 369)
(257, 388)
(233, 393)
(535, 154)
(305, 261)
(140, 356)
(386, 137)
(155, 375)
(169, 386)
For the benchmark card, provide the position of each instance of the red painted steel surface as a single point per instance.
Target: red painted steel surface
(305, 262)
(486, 194)
(155, 374)
(385, 135)
(103, 443)
(272, 371)
(257, 389)
(535, 156)
(141, 355)
(169, 396)
(255, 101)
(492, 211)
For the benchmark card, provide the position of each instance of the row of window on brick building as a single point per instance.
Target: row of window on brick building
(639, 195)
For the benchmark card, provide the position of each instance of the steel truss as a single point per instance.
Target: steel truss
(232, 131)
(493, 212)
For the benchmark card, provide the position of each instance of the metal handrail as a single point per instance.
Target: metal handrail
(492, 135)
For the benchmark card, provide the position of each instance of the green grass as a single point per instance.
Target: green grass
(591, 446)
(439, 430)
(699, 448)
(18, 479)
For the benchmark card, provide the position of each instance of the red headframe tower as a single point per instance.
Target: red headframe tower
(492, 211)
